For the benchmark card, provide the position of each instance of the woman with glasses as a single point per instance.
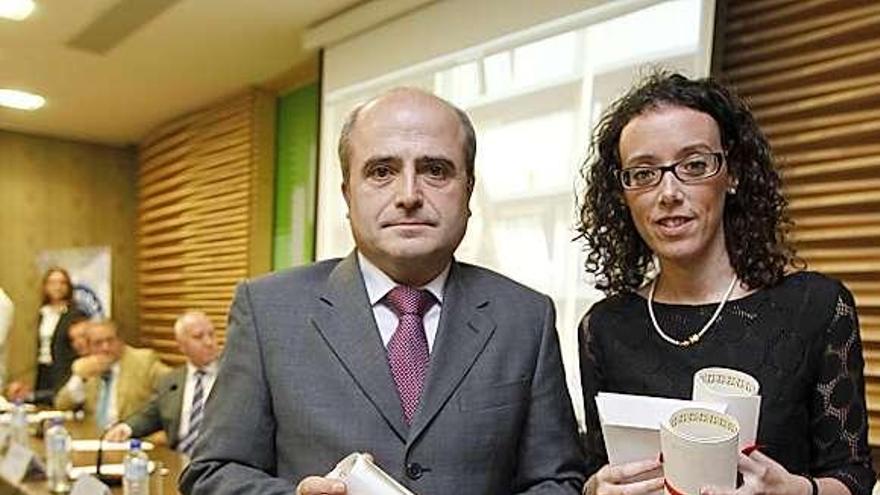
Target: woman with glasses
(685, 228)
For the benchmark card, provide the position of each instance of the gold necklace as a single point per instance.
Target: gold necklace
(695, 337)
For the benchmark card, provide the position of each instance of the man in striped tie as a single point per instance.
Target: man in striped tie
(178, 402)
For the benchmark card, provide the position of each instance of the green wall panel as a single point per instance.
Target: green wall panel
(295, 178)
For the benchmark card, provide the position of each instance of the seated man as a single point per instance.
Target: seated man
(114, 381)
(177, 404)
(79, 339)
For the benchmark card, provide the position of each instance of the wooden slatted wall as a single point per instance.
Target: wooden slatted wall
(204, 206)
(810, 70)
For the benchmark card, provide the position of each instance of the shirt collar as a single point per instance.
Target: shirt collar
(210, 369)
(379, 284)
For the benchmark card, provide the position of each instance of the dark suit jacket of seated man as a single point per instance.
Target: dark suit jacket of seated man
(175, 398)
(306, 379)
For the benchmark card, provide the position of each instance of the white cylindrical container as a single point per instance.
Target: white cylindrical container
(699, 449)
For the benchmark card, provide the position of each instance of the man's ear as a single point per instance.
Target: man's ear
(345, 194)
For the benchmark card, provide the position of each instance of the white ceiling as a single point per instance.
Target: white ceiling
(191, 54)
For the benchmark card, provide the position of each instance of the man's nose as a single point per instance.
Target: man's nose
(409, 190)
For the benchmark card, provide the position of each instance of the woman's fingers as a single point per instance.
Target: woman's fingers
(642, 487)
(622, 472)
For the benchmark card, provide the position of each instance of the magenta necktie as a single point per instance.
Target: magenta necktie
(408, 348)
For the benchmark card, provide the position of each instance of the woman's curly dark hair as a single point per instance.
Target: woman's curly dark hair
(755, 220)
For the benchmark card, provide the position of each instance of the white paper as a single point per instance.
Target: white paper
(36, 417)
(91, 445)
(631, 423)
(106, 469)
(362, 477)
(740, 391)
(15, 465)
(699, 449)
(89, 485)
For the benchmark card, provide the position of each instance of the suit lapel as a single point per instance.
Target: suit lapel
(461, 336)
(122, 379)
(345, 320)
(174, 405)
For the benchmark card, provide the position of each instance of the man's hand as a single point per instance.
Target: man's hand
(91, 366)
(120, 432)
(632, 478)
(18, 391)
(316, 485)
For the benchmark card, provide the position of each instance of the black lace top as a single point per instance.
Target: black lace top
(800, 339)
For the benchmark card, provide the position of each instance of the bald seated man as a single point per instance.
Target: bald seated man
(114, 381)
(447, 373)
(178, 401)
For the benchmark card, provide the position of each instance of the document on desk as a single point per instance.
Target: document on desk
(631, 423)
(89, 485)
(91, 445)
(106, 469)
(16, 463)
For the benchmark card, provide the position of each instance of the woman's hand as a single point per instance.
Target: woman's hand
(632, 478)
(764, 476)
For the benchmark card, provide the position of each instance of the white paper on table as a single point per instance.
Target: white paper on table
(362, 477)
(91, 445)
(15, 465)
(106, 469)
(740, 391)
(33, 416)
(6, 406)
(89, 485)
(699, 449)
(631, 423)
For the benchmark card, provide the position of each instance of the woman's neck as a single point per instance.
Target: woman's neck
(696, 281)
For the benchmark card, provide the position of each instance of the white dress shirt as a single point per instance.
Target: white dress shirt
(48, 321)
(76, 388)
(189, 388)
(379, 284)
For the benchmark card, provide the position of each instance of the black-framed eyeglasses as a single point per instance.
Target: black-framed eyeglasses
(692, 168)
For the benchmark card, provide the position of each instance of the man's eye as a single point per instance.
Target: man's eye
(437, 171)
(380, 172)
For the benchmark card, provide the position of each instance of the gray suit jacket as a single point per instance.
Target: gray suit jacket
(305, 381)
(163, 410)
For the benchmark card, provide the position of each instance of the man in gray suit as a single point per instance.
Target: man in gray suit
(176, 406)
(448, 374)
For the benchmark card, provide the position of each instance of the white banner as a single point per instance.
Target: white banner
(89, 270)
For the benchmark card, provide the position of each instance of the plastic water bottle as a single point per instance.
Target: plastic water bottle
(18, 424)
(57, 457)
(136, 480)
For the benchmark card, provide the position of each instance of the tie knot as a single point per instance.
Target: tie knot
(200, 373)
(405, 300)
(106, 376)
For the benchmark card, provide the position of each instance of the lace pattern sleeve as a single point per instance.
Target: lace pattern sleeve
(591, 381)
(839, 420)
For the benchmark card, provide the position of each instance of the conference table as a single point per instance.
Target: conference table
(169, 464)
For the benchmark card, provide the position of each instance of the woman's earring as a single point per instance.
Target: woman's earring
(731, 190)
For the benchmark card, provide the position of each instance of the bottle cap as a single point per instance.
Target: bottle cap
(135, 444)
